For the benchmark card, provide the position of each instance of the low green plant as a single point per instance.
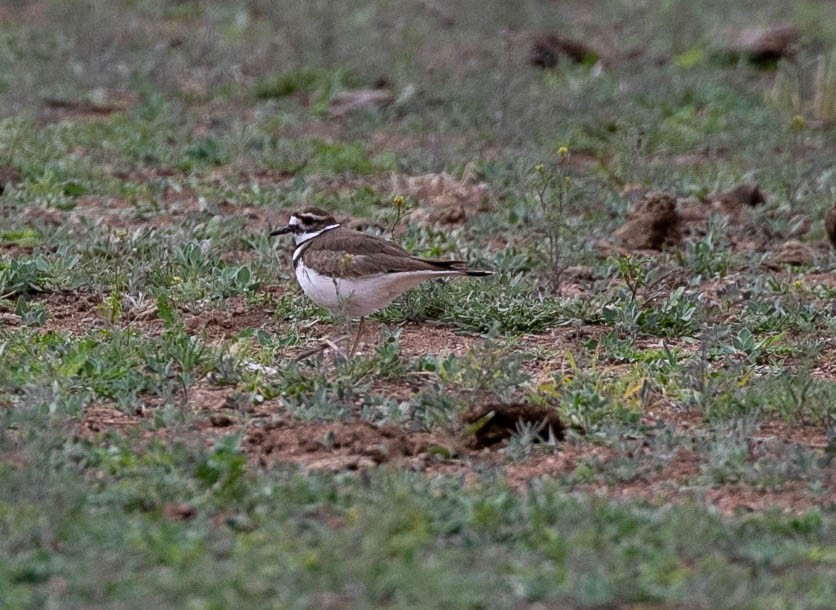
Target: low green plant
(745, 343)
(529, 437)
(795, 396)
(674, 316)
(587, 398)
(22, 277)
(709, 256)
(32, 314)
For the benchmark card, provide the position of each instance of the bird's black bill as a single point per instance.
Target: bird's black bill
(282, 231)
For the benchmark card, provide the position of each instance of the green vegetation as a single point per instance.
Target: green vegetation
(171, 436)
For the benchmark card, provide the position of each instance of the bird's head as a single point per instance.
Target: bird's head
(307, 223)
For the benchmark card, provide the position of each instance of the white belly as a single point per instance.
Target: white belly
(357, 297)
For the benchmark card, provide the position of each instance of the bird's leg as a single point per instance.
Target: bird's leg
(357, 338)
(323, 345)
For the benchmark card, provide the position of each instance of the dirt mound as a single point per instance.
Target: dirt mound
(793, 252)
(652, 223)
(495, 423)
(735, 204)
(764, 45)
(332, 446)
(661, 219)
(447, 199)
(101, 418)
(174, 511)
(747, 194)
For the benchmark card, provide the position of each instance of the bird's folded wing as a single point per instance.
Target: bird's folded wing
(343, 240)
(347, 265)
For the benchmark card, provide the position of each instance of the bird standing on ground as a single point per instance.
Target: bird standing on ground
(352, 273)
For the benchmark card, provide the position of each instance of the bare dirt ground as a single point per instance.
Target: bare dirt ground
(273, 437)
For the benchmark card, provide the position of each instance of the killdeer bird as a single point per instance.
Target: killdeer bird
(352, 273)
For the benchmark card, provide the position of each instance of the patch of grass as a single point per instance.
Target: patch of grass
(340, 158)
(208, 151)
(795, 396)
(27, 238)
(319, 82)
(699, 378)
(360, 541)
(504, 306)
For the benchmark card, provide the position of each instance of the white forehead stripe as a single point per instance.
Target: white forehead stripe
(294, 221)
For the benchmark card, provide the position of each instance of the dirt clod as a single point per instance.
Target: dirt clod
(98, 104)
(8, 175)
(793, 252)
(734, 204)
(742, 194)
(496, 422)
(652, 223)
(444, 199)
(219, 420)
(764, 45)
(830, 225)
(546, 49)
(179, 511)
(332, 446)
(346, 102)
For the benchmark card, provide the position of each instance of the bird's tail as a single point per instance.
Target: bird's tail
(462, 268)
(477, 272)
